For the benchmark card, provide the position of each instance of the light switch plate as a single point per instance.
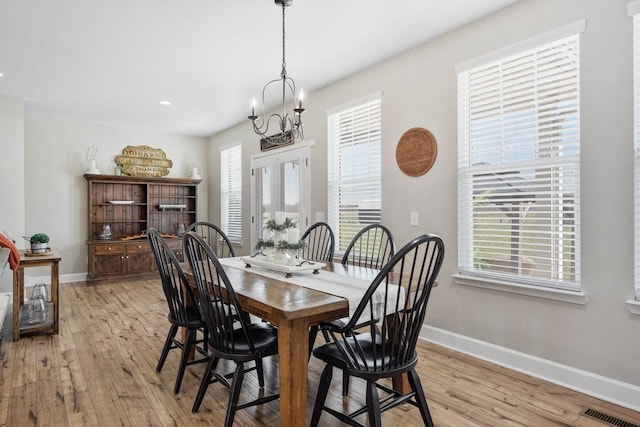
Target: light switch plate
(413, 219)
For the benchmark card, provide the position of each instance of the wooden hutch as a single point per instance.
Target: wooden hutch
(121, 208)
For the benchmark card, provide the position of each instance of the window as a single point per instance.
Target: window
(634, 10)
(231, 192)
(518, 164)
(354, 143)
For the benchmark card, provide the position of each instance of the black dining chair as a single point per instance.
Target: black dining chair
(215, 238)
(231, 337)
(319, 243)
(372, 247)
(183, 311)
(394, 306)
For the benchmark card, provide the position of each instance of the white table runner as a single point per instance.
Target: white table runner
(350, 288)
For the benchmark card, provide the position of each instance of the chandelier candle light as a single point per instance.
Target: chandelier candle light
(289, 121)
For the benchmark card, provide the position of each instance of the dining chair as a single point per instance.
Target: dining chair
(394, 306)
(372, 247)
(231, 337)
(215, 238)
(319, 243)
(183, 311)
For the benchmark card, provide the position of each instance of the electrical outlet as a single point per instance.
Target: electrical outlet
(413, 219)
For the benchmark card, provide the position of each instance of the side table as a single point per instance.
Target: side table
(21, 325)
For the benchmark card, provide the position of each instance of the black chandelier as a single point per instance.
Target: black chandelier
(290, 119)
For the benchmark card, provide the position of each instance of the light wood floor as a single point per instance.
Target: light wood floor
(100, 371)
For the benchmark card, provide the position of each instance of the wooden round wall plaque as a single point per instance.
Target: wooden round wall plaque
(416, 151)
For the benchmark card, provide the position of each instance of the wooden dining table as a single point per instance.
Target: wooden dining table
(293, 309)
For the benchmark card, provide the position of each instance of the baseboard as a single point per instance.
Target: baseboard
(601, 387)
(64, 278)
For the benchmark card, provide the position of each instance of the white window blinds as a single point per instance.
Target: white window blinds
(231, 192)
(354, 160)
(634, 10)
(518, 167)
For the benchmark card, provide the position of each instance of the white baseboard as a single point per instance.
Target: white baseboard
(64, 278)
(601, 387)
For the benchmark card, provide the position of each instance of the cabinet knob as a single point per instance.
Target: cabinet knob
(139, 246)
(121, 257)
(109, 248)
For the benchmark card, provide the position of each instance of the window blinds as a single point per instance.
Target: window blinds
(354, 161)
(231, 192)
(518, 166)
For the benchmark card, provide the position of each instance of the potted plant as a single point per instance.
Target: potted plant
(39, 242)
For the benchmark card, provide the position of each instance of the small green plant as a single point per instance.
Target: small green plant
(271, 225)
(283, 245)
(39, 238)
(264, 244)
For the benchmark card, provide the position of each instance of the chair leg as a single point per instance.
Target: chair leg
(167, 346)
(421, 400)
(205, 339)
(323, 389)
(186, 349)
(260, 372)
(345, 384)
(204, 383)
(234, 394)
(313, 332)
(326, 336)
(373, 405)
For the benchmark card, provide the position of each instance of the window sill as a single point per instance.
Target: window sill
(573, 297)
(633, 306)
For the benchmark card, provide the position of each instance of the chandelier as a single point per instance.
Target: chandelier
(289, 120)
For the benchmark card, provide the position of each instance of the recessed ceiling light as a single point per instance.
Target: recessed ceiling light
(1, 74)
(164, 102)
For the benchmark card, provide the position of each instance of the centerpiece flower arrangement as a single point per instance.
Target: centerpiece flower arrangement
(280, 240)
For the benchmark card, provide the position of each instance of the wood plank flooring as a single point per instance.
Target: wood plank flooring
(100, 371)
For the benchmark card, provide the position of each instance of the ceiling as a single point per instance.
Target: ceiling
(112, 61)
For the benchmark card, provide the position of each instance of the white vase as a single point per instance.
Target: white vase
(281, 258)
(278, 236)
(268, 252)
(293, 261)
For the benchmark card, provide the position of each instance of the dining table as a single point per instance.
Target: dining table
(294, 302)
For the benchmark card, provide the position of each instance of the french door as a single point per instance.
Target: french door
(280, 181)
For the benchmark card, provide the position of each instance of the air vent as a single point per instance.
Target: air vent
(606, 418)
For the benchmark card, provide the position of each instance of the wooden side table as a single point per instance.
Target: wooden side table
(21, 325)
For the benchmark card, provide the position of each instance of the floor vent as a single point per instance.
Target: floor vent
(605, 418)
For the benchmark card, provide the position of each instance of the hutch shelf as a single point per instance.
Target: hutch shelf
(121, 208)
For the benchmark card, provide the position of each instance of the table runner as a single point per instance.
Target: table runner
(350, 288)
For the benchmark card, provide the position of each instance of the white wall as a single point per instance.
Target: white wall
(419, 89)
(12, 197)
(56, 192)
